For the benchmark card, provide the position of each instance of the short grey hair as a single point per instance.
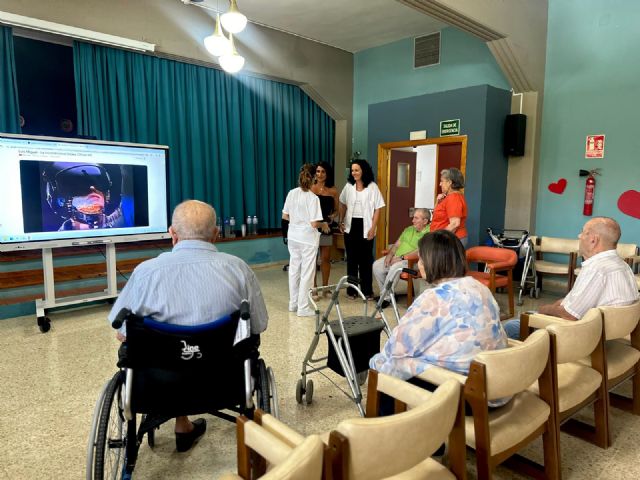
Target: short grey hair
(455, 176)
(194, 220)
(426, 213)
(607, 229)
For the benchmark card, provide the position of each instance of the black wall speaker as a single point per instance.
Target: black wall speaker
(515, 126)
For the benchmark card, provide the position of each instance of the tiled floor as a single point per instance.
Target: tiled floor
(50, 384)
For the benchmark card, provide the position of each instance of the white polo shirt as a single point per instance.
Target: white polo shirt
(303, 208)
(604, 280)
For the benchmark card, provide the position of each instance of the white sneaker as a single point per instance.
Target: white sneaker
(306, 313)
(293, 309)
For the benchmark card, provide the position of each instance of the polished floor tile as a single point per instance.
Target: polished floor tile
(51, 383)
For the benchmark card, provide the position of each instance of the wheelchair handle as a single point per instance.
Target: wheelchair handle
(120, 318)
(411, 272)
(244, 310)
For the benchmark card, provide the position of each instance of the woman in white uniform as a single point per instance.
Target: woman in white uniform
(302, 210)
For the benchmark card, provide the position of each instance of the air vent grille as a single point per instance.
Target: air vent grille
(426, 50)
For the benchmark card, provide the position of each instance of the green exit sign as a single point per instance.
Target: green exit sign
(450, 127)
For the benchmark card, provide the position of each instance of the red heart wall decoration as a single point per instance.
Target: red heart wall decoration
(629, 203)
(558, 187)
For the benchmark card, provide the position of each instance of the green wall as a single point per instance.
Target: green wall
(591, 87)
(386, 73)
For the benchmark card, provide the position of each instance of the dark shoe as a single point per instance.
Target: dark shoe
(385, 303)
(184, 441)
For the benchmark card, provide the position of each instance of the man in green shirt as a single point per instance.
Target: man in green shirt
(385, 267)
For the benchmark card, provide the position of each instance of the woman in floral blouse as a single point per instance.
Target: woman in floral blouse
(448, 324)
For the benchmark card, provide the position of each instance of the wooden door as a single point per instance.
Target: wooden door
(449, 156)
(402, 191)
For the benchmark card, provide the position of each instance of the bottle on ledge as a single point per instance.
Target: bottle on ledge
(227, 228)
(232, 226)
(255, 225)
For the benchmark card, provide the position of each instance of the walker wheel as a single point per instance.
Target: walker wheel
(299, 391)
(309, 393)
(44, 324)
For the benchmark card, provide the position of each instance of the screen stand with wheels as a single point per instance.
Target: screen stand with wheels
(50, 301)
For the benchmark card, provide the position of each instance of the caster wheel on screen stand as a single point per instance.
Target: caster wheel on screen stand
(44, 324)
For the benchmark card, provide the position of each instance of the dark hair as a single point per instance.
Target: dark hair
(367, 173)
(455, 176)
(442, 255)
(329, 182)
(305, 179)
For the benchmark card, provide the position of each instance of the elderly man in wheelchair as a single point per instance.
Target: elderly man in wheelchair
(181, 316)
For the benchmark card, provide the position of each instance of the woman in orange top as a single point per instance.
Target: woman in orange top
(451, 208)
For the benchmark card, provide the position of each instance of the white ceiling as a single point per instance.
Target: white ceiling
(350, 25)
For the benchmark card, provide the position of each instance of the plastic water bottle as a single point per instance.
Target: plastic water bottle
(249, 223)
(219, 225)
(255, 225)
(232, 226)
(227, 228)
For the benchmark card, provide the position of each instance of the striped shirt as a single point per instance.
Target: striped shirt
(191, 285)
(604, 280)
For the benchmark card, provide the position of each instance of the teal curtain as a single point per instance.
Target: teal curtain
(236, 142)
(10, 116)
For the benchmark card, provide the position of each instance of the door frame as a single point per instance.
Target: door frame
(384, 174)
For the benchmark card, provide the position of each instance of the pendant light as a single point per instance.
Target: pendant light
(217, 44)
(233, 21)
(231, 62)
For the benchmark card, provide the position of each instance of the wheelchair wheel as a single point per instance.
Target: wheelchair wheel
(263, 392)
(111, 437)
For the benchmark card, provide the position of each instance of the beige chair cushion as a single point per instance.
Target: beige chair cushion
(385, 446)
(545, 266)
(403, 391)
(512, 370)
(281, 431)
(620, 321)
(429, 469)
(512, 423)
(576, 340)
(558, 245)
(304, 463)
(620, 358)
(575, 383)
(626, 250)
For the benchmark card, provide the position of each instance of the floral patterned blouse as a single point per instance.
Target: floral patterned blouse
(447, 325)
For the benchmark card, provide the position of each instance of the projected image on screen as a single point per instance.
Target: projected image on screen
(83, 196)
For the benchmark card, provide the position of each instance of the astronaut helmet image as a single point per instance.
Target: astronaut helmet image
(80, 193)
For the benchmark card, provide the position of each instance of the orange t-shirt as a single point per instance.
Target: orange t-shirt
(453, 205)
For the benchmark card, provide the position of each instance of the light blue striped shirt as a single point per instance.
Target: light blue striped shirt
(191, 285)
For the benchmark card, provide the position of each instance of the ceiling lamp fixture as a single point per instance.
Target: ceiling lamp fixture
(217, 44)
(231, 62)
(233, 21)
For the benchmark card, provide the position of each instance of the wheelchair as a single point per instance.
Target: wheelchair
(170, 370)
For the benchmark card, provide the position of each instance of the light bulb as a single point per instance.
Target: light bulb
(233, 21)
(216, 43)
(231, 62)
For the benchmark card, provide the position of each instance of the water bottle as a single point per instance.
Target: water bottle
(227, 228)
(249, 222)
(232, 226)
(255, 225)
(219, 226)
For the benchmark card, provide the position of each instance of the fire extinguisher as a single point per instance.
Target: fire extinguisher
(589, 190)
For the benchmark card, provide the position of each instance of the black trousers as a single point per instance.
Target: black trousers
(359, 256)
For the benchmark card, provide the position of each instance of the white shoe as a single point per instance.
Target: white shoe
(306, 313)
(293, 309)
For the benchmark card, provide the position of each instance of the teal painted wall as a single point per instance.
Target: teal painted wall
(591, 87)
(386, 73)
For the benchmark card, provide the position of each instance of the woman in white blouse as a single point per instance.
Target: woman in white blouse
(360, 205)
(302, 211)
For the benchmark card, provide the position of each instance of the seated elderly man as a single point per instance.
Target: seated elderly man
(385, 267)
(604, 280)
(191, 285)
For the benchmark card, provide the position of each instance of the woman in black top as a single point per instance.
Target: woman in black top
(328, 194)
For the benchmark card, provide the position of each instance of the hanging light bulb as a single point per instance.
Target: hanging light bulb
(233, 21)
(231, 62)
(217, 44)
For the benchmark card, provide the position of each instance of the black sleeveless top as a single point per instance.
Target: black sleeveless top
(326, 205)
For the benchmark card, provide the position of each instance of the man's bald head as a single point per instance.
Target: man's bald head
(598, 235)
(193, 220)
